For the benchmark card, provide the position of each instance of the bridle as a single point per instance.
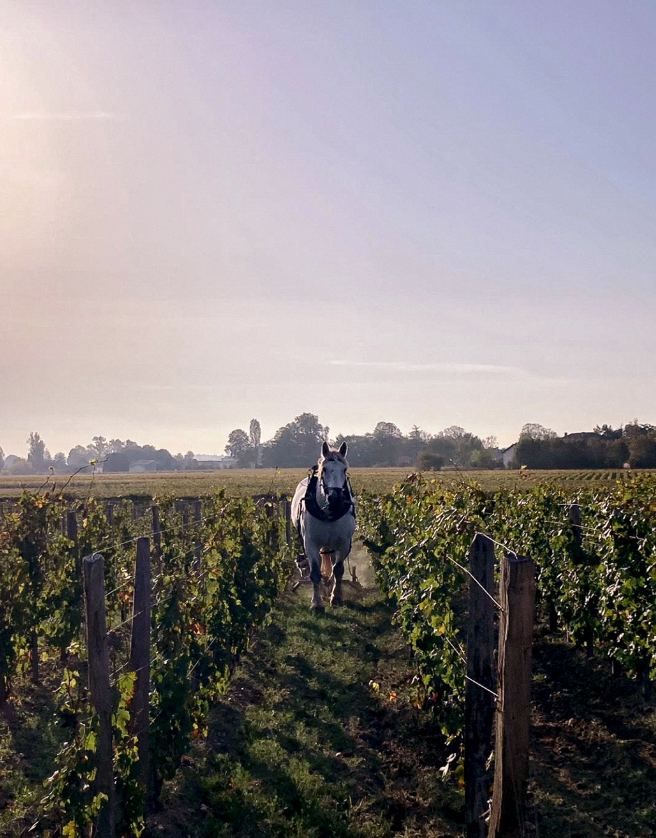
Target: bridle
(310, 500)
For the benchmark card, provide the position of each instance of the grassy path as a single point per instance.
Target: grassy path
(317, 736)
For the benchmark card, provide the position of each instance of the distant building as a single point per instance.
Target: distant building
(143, 466)
(580, 436)
(508, 455)
(215, 461)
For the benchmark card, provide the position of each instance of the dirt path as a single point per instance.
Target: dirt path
(317, 736)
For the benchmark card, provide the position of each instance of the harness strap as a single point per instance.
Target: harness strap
(313, 508)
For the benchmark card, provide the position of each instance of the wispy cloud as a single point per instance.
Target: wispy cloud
(64, 116)
(440, 366)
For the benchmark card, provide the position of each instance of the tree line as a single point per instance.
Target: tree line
(296, 445)
(633, 445)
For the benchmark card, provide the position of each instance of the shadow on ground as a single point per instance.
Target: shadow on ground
(316, 737)
(593, 759)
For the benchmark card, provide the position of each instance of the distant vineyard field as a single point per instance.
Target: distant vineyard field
(241, 482)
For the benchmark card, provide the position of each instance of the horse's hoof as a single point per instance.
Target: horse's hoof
(337, 602)
(317, 609)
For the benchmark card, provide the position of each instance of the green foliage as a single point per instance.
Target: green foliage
(212, 584)
(418, 536)
(599, 578)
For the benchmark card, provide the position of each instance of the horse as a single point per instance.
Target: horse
(323, 511)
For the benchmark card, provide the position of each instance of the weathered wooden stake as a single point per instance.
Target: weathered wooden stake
(140, 656)
(517, 589)
(479, 703)
(109, 514)
(99, 687)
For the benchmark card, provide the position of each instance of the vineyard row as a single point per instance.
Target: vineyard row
(154, 654)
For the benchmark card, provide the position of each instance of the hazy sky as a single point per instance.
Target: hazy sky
(418, 212)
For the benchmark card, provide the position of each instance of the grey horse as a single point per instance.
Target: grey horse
(323, 511)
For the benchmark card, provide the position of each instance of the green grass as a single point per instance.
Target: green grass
(284, 481)
(310, 741)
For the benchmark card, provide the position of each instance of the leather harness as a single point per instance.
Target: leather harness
(329, 515)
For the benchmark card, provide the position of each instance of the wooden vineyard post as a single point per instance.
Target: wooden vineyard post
(479, 698)
(109, 513)
(99, 687)
(198, 548)
(517, 589)
(157, 537)
(140, 656)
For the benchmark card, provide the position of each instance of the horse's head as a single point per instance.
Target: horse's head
(332, 475)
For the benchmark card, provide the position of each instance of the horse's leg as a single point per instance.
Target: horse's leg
(338, 572)
(315, 577)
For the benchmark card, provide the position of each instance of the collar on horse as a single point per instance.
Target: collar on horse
(317, 511)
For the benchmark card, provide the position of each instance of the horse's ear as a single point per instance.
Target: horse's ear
(343, 448)
(325, 450)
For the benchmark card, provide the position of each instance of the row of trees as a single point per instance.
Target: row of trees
(297, 444)
(113, 454)
(604, 447)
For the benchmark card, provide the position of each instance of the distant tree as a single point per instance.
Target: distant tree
(20, 466)
(37, 456)
(2, 459)
(161, 456)
(453, 432)
(416, 442)
(255, 435)
(457, 444)
(389, 445)
(239, 447)
(78, 457)
(117, 462)
(483, 458)
(532, 430)
(608, 432)
(642, 451)
(616, 453)
(59, 463)
(428, 461)
(363, 450)
(100, 447)
(296, 444)
(490, 443)
(186, 462)
(387, 430)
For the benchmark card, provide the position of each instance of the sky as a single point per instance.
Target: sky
(429, 213)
